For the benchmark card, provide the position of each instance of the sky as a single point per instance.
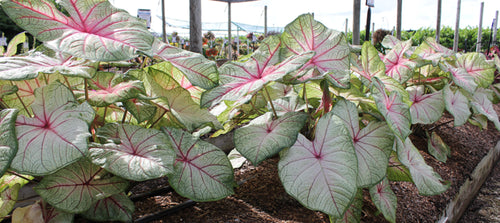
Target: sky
(332, 13)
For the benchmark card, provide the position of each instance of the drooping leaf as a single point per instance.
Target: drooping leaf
(202, 171)
(57, 134)
(462, 78)
(371, 64)
(108, 88)
(12, 47)
(91, 29)
(264, 137)
(481, 102)
(236, 159)
(305, 34)
(287, 104)
(353, 214)
(133, 152)
(396, 171)
(426, 108)
(438, 148)
(8, 140)
(8, 199)
(197, 69)
(28, 67)
(322, 174)
(457, 104)
(397, 65)
(40, 212)
(176, 105)
(115, 208)
(384, 199)
(427, 181)
(75, 188)
(373, 144)
(239, 81)
(392, 107)
(432, 51)
(475, 64)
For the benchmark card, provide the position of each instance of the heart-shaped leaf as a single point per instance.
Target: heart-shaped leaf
(305, 34)
(392, 107)
(322, 174)
(353, 214)
(107, 88)
(140, 109)
(457, 104)
(133, 152)
(462, 78)
(181, 79)
(8, 139)
(202, 172)
(390, 41)
(371, 64)
(384, 199)
(75, 188)
(430, 50)
(287, 104)
(481, 102)
(397, 66)
(91, 29)
(28, 67)
(373, 144)
(8, 199)
(438, 148)
(273, 135)
(115, 208)
(239, 81)
(40, 212)
(426, 108)
(198, 70)
(476, 65)
(57, 134)
(427, 181)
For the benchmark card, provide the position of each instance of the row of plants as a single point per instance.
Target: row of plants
(339, 117)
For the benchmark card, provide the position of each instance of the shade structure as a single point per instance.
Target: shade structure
(229, 21)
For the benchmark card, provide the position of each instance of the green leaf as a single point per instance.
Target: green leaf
(397, 66)
(322, 174)
(133, 152)
(202, 172)
(77, 187)
(426, 108)
(57, 134)
(481, 102)
(140, 109)
(475, 64)
(115, 208)
(12, 47)
(263, 137)
(8, 199)
(373, 144)
(384, 199)
(353, 214)
(8, 139)
(438, 148)
(427, 181)
(371, 64)
(91, 29)
(396, 171)
(108, 88)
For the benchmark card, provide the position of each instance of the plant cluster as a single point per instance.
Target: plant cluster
(339, 117)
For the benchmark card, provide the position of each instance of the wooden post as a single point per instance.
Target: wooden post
(346, 23)
(494, 41)
(164, 31)
(438, 21)
(230, 47)
(457, 28)
(356, 14)
(265, 20)
(195, 34)
(480, 29)
(398, 24)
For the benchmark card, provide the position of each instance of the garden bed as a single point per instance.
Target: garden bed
(261, 197)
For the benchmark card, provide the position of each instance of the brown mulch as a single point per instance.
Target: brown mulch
(261, 197)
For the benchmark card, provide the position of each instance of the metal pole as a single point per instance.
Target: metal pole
(480, 29)
(195, 26)
(355, 24)
(438, 21)
(164, 30)
(265, 20)
(346, 23)
(398, 23)
(494, 41)
(367, 28)
(457, 28)
(230, 47)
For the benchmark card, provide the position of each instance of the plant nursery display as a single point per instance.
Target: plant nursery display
(339, 117)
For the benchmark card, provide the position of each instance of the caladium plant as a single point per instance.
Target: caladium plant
(339, 119)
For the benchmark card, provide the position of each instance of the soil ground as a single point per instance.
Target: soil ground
(261, 198)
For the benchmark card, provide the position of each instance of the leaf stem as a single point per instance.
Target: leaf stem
(157, 120)
(22, 102)
(271, 102)
(21, 176)
(124, 115)
(104, 115)
(304, 95)
(85, 82)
